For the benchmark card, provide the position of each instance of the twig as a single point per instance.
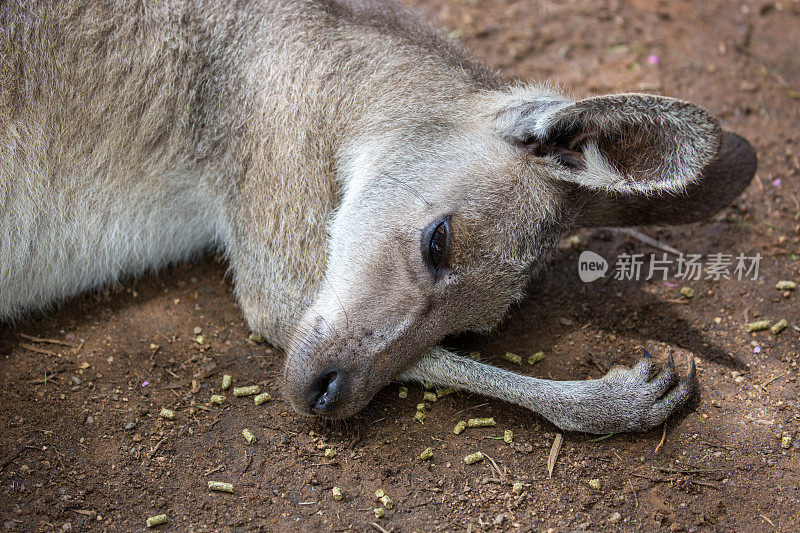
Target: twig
(689, 470)
(663, 437)
(604, 437)
(378, 527)
(496, 468)
(649, 241)
(764, 385)
(36, 349)
(473, 407)
(47, 341)
(554, 449)
(767, 519)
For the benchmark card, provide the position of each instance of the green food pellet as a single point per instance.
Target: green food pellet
(441, 393)
(513, 358)
(421, 407)
(169, 414)
(779, 326)
(379, 512)
(786, 285)
(248, 436)
(330, 453)
(387, 501)
(786, 442)
(687, 292)
(475, 356)
(403, 392)
(473, 458)
(379, 494)
(508, 436)
(535, 358)
(481, 422)
(460, 427)
(226, 381)
(200, 340)
(757, 326)
(157, 520)
(419, 416)
(429, 397)
(426, 454)
(246, 391)
(337, 493)
(261, 398)
(220, 486)
(256, 338)
(217, 399)
(517, 488)
(594, 484)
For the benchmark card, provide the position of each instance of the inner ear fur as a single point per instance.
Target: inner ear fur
(632, 142)
(720, 182)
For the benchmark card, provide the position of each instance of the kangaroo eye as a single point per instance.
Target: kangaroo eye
(436, 244)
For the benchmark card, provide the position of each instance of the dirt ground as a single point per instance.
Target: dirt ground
(82, 444)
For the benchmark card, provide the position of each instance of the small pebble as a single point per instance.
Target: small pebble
(198, 330)
(614, 518)
(169, 414)
(130, 425)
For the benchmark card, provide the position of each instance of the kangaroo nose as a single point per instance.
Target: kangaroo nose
(325, 390)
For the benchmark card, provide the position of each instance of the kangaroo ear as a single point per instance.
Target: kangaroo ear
(720, 183)
(628, 143)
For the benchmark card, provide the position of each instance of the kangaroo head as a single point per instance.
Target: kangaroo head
(444, 221)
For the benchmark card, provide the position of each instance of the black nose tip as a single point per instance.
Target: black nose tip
(325, 390)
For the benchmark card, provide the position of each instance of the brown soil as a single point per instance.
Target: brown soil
(82, 444)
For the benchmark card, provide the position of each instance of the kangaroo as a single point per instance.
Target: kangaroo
(373, 187)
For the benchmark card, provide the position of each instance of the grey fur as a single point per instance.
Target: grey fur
(312, 142)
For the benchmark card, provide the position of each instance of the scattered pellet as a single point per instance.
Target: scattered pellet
(779, 326)
(535, 358)
(157, 520)
(169, 414)
(387, 501)
(517, 488)
(246, 391)
(380, 493)
(379, 512)
(220, 486)
(757, 326)
(419, 416)
(441, 393)
(475, 356)
(508, 436)
(421, 407)
(262, 398)
(226, 381)
(429, 396)
(403, 392)
(248, 436)
(473, 458)
(481, 422)
(786, 285)
(217, 399)
(337, 493)
(513, 358)
(460, 427)
(594, 484)
(330, 453)
(200, 340)
(256, 338)
(426, 454)
(786, 442)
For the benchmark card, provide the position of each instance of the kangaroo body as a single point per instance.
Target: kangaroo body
(373, 188)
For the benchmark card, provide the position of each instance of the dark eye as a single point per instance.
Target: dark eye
(436, 244)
